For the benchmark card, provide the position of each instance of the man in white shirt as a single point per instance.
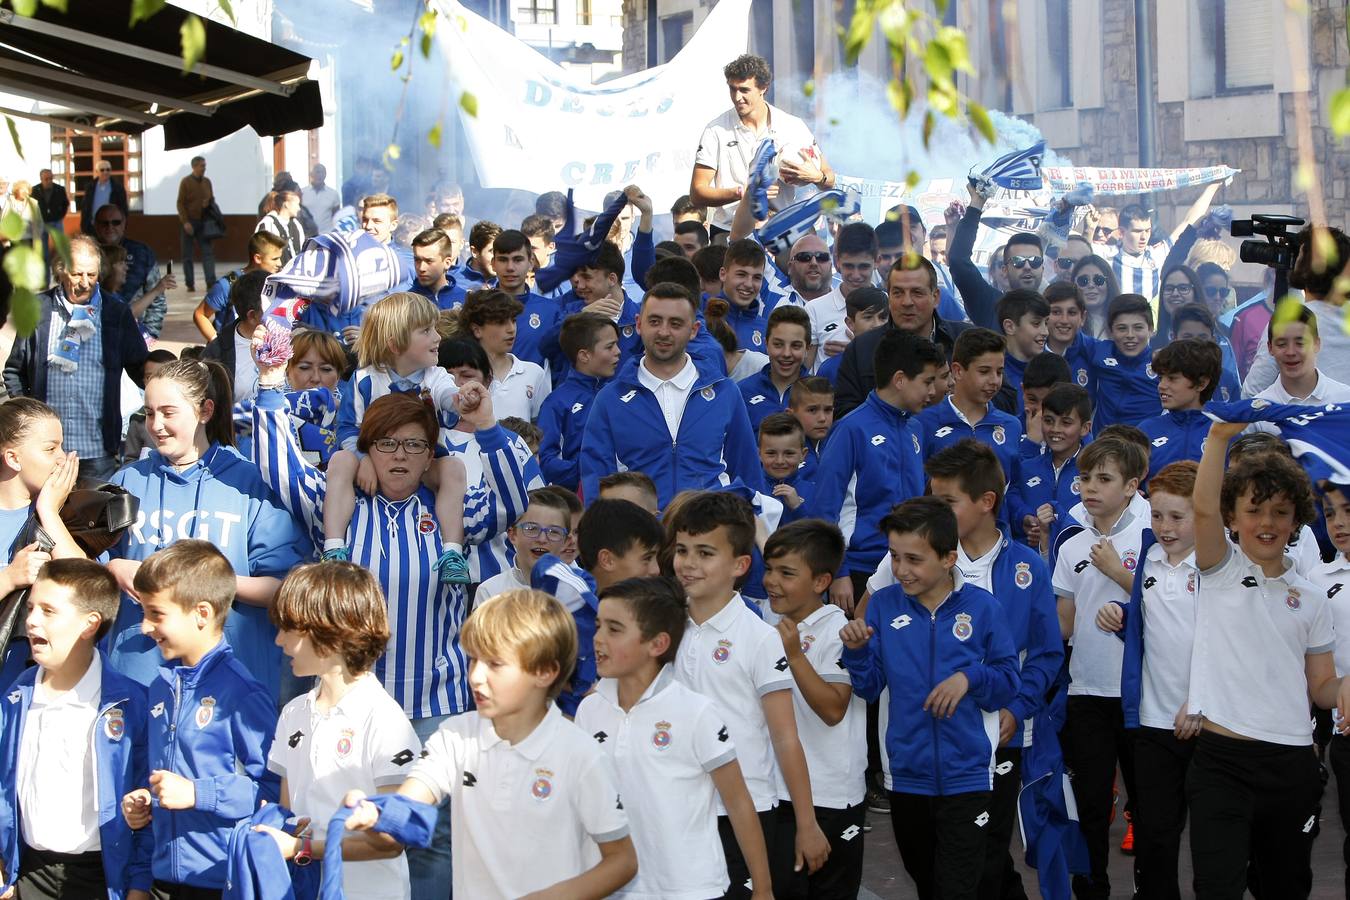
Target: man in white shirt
(727, 147)
(321, 200)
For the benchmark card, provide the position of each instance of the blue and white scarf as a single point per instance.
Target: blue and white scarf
(82, 325)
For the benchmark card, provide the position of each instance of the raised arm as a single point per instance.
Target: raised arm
(1211, 539)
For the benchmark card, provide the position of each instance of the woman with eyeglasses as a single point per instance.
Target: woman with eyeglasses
(1179, 286)
(1098, 285)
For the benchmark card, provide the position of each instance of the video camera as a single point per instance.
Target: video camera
(1279, 249)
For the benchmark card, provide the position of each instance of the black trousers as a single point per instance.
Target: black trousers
(942, 842)
(737, 870)
(1339, 753)
(875, 740)
(166, 890)
(841, 876)
(1000, 879)
(1094, 742)
(1161, 762)
(1252, 801)
(60, 876)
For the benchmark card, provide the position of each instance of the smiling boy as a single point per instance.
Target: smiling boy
(1123, 378)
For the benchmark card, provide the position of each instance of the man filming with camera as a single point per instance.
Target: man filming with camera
(1317, 276)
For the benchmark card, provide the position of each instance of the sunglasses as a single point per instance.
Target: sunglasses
(1085, 280)
(1021, 262)
(1066, 263)
(1215, 292)
(807, 256)
(1176, 289)
(103, 222)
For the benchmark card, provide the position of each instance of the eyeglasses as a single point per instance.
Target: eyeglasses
(550, 533)
(1021, 262)
(1065, 262)
(807, 256)
(1085, 280)
(1102, 231)
(1176, 289)
(1214, 292)
(411, 446)
(109, 222)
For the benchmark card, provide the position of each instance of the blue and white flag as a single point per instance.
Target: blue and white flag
(763, 173)
(1016, 171)
(799, 219)
(1318, 436)
(340, 269)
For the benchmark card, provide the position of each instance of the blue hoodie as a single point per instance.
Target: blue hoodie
(1175, 435)
(877, 438)
(628, 431)
(221, 498)
(912, 651)
(562, 419)
(762, 399)
(213, 724)
(1125, 388)
(118, 742)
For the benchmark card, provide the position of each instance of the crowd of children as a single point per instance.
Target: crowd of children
(553, 590)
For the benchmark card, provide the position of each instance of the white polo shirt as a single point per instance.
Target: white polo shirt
(827, 315)
(836, 755)
(1252, 634)
(362, 742)
(728, 147)
(664, 750)
(523, 816)
(672, 394)
(1169, 634)
(1333, 579)
(735, 659)
(505, 580)
(1094, 668)
(521, 393)
(56, 780)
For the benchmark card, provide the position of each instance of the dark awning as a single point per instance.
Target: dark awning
(90, 67)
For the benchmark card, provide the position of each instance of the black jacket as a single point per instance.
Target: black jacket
(221, 349)
(123, 350)
(857, 378)
(53, 202)
(979, 296)
(117, 197)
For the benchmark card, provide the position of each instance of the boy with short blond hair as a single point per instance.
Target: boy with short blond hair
(72, 740)
(210, 723)
(515, 767)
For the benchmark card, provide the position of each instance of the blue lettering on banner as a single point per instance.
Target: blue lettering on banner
(541, 95)
(574, 173)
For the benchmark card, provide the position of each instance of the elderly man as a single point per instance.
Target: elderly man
(75, 358)
(194, 196)
(321, 200)
(51, 198)
(144, 288)
(98, 192)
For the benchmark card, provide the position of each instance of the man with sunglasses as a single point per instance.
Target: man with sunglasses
(144, 287)
(1074, 248)
(810, 268)
(1023, 264)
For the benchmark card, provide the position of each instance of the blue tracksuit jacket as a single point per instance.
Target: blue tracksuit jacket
(940, 426)
(1037, 483)
(449, 297)
(541, 316)
(562, 418)
(627, 430)
(1079, 357)
(806, 489)
(761, 397)
(1125, 389)
(912, 651)
(118, 742)
(873, 439)
(1132, 666)
(1175, 435)
(211, 723)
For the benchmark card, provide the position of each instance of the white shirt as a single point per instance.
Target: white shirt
(735, 659)
(672, 394)
(1169, 633)
(1094, 668)
(1327, 390)
(521, 393)
(1252, 634)
(56, 781)
(363, 742)
(836, 755)
(523, 816)
(728, 147)
(245, 369)
(980, 571)
(827, 315)
(503, 581)
(665, 749)
(751, 361)
(323, 204)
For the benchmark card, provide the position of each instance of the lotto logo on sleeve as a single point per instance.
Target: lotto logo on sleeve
(542, 788)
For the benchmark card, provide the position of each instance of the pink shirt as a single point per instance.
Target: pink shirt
(1249, 330)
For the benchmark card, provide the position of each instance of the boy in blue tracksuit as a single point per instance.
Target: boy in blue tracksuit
(977, 366)
(1125, 385)
(812, 403)
(1188, 375)
(788, 345)
(1066, 338)
(877, 437)
(1044, 373)
(591, 343)
(1046, 487)
(694, 435)
(946, 652)
(968, 476)
(1022, 317)
(210, 724)
(782, 449)
(513, 261)
(61, 829)
(742, 276)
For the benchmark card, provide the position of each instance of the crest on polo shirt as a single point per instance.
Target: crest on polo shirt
(1148, 370)
(542, 787)
(534, 320)
(661, 737)
(1082, 378)
(999, 435)
(1292, 599)
(529, 392)
(1074, 486)
(756, 338)
(114, 726)
(628, 331)
(807, 641)
(344, 744)
(722, 652)
(707, 393)
(1022, 575)
(962, 630)
(206, 711)
(1129, 561)
(426, 524)
(1190, 583)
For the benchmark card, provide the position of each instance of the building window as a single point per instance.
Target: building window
(538, 12)
(1055, 87)
(75, 157)
(583, 12)
(1231, 47)
(675, 32)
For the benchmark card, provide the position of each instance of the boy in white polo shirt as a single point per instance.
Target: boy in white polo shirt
(535, 805)
(1094, 567)
(671, 747)
(800, 560)
(347, 733)
(1263, 647)
(731, 656)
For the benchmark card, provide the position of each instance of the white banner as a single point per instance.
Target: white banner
(540, 127)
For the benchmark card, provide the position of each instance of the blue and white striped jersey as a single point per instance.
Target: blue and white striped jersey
(493, 556)
(370, 384)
